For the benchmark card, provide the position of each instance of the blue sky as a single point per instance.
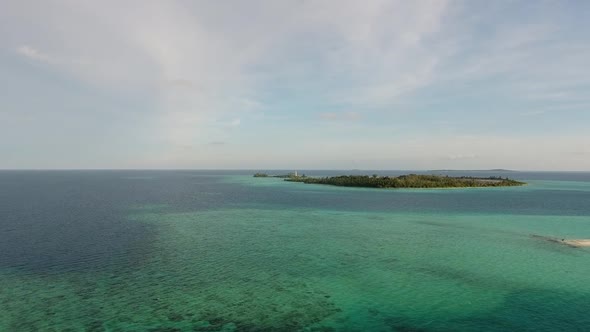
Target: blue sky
(295, 84)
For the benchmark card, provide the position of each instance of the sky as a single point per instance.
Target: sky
(307, 84)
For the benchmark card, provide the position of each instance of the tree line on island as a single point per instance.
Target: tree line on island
(403, 181)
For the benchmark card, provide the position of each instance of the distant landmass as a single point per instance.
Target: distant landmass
(403, 181)
(473, 170)
(282, 176)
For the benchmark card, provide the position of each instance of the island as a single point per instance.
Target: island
(282, 176)
(474, 170)
(406, 181)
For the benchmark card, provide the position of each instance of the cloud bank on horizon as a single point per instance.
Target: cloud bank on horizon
(331, 84)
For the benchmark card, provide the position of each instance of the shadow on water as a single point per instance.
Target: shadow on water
(461, 277)
(52, 221)
(43, 251)
(534, 310)
(69, 221)
(521, 310)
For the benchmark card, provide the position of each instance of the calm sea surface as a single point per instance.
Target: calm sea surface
(223, 251)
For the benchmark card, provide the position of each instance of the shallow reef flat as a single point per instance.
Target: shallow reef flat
(183, 252)
(310, 270)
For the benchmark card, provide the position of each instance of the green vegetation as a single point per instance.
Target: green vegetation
(408, 181)
(260, 175)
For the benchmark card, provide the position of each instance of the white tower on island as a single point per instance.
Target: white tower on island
(295, 173)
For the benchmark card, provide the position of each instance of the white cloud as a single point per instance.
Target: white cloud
(207, 68)
(209, 52)
(340, 116)
(234, 123)
(33, 54)
(180, 83)
(533, 112)
(461, 156)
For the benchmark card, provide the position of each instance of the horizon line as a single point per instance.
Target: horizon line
(287, 169)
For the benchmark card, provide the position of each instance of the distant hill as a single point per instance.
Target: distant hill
(473, 170)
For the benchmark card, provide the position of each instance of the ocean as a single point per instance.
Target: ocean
(223, 251)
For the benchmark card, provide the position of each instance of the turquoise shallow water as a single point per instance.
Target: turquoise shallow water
(222, 251)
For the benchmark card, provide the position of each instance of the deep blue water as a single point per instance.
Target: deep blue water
(52, 218)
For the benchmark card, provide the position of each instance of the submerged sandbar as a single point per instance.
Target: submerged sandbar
(577, 242)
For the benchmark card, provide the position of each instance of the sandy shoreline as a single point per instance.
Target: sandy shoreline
(578, 242)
